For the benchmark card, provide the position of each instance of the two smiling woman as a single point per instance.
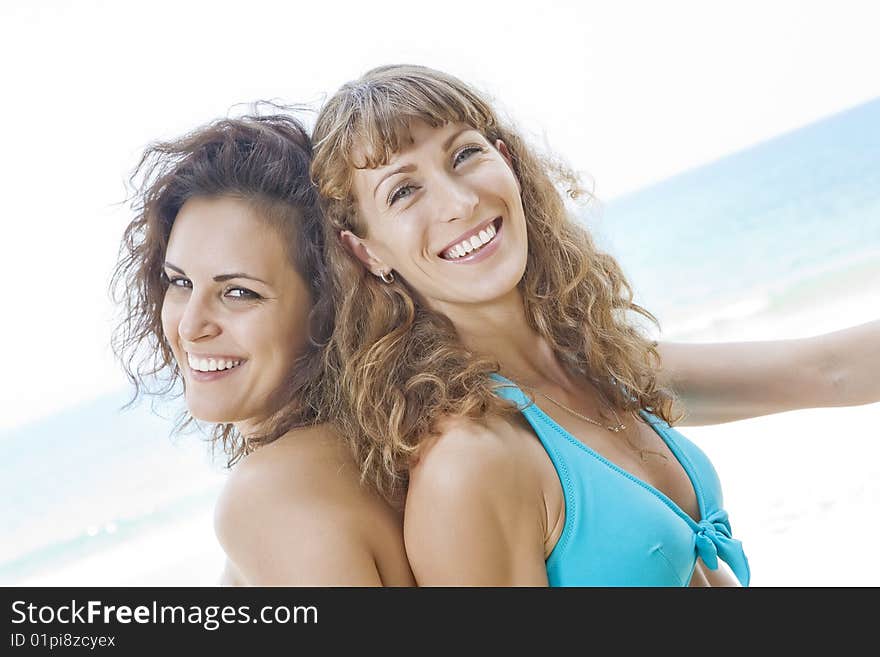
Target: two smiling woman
(458, 294)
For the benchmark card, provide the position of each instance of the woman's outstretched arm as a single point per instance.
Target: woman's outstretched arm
(723, 382)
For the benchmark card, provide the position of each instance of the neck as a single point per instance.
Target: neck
(500, 331)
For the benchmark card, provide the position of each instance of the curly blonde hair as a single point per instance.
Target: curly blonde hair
(399, 366)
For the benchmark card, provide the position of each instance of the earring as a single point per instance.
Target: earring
(387, 277)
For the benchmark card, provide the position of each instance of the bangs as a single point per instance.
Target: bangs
(371, 121)
(381, 120)
(378, 135)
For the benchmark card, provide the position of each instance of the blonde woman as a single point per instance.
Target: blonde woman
(220, 272)
(491, 367)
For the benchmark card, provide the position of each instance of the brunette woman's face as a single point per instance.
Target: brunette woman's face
(235, 311)
(445, 213)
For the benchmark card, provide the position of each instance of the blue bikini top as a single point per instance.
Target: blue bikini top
(621, 531)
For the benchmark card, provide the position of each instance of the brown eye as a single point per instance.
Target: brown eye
(241, 293)
(177, 281)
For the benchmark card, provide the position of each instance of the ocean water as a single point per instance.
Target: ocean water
(93, 477)
(758, 230)
(762, 232)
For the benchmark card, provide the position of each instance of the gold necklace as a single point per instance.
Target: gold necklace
(615, 429)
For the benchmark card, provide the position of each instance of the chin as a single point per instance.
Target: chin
(495, 289)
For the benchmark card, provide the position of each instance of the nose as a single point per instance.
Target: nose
(456, 199)
(197, 321)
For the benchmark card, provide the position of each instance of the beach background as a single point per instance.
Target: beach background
(775, 236)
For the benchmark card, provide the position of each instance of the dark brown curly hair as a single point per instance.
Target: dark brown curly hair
(262, 158)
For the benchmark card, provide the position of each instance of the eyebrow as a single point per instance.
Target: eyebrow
(408, 168)
(452, 138)
(219, 278)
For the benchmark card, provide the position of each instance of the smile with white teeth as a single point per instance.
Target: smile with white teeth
(211, 364)
(474, 243)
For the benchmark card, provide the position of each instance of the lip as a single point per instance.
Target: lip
(206, 377)
(467, 235)
(214, 356)
(485, 251)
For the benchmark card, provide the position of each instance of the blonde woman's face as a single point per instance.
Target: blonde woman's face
(446, 215)
(235, 312)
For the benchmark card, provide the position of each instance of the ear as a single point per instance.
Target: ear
(359, 249)
(505, 153)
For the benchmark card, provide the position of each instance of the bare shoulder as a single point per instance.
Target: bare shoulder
(474, 508)
(465, 453)
(304, 467)
(294, 512)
